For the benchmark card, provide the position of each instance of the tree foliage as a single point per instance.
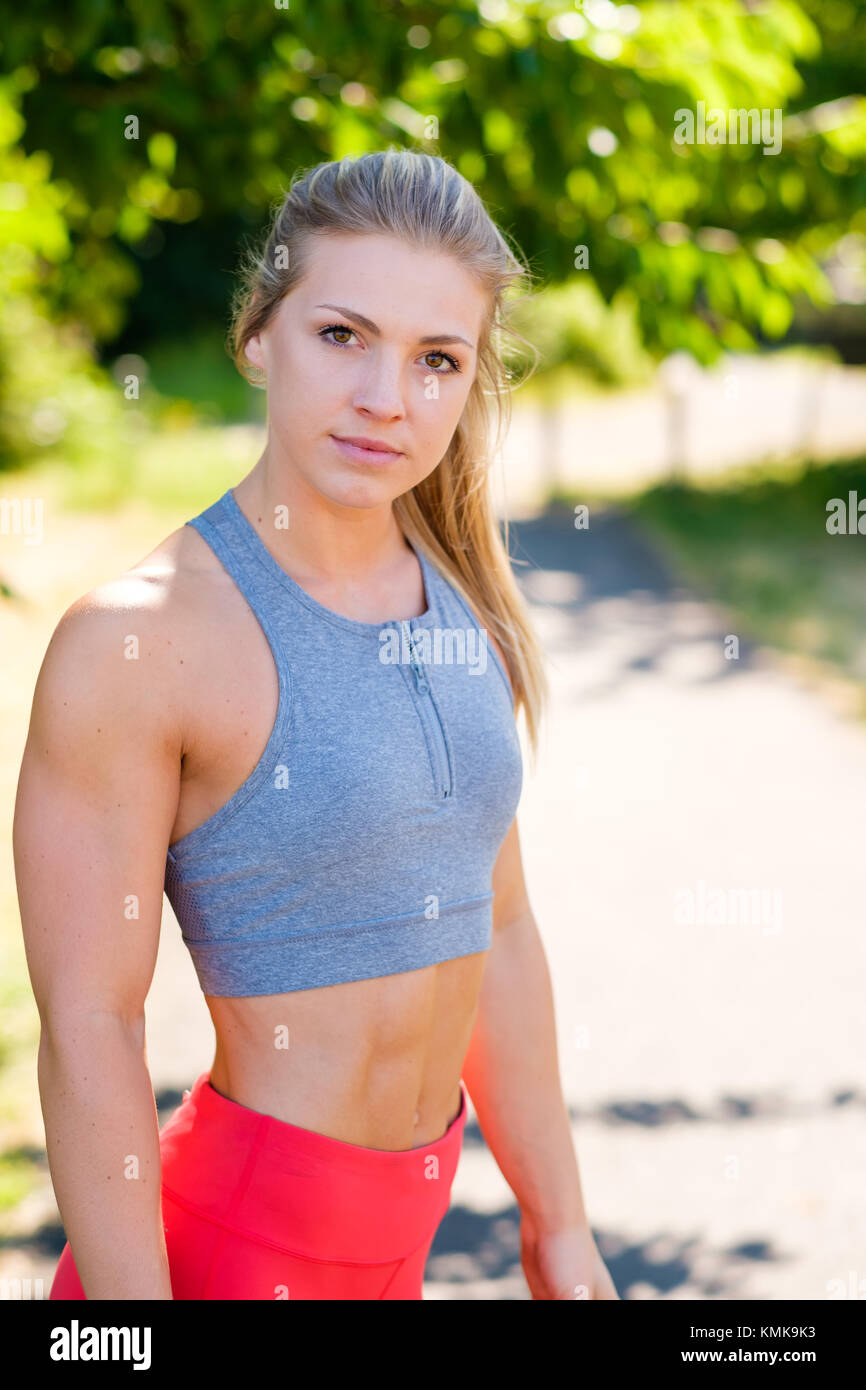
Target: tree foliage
(562, 116)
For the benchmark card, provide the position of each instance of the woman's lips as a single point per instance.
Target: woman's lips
(360, 455)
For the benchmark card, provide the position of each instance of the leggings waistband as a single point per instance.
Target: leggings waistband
(302, 1191)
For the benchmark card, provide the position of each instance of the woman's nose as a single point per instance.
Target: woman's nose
(380, 390)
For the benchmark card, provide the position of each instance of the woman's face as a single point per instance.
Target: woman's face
(377, 342)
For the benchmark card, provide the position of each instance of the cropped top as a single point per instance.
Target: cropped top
(363, 842)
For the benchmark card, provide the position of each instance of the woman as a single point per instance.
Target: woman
(297, 715)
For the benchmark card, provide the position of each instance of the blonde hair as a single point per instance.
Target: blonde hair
(423, 199)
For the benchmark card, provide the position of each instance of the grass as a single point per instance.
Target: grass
(19, 1173)
(757, 542)
(179, 467)
(19, 1169)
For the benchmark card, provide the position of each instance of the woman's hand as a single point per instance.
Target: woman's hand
(564, 1263)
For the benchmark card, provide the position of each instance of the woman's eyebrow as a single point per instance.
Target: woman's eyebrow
(373, 328)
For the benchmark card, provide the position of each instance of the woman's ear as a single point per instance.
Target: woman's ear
(253, 351)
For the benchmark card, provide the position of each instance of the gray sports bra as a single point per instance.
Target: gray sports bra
(362, 843)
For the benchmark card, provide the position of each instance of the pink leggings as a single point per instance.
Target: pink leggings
(256, 1208)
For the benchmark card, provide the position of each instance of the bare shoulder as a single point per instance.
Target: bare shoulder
(100, 782)
(130, 647)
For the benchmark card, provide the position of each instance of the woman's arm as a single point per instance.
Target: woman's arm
(97, 798)
(511, 1071)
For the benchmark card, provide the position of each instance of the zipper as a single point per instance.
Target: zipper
(430, 716)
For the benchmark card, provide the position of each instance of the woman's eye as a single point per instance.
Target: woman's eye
(445, 357)
(336, 328)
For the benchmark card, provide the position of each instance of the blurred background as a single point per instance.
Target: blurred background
(685, 485)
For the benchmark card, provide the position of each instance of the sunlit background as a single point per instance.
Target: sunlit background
(685, 471)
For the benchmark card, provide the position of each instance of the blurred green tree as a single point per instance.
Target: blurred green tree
(173, 126)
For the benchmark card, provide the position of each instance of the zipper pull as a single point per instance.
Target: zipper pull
(420, 682)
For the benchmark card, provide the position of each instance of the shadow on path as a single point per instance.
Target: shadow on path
(610, 580)
(472, 1248)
